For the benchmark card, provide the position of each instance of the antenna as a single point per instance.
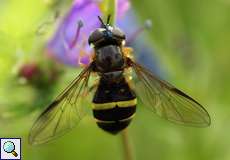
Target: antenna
(108, 19)
(102, 23)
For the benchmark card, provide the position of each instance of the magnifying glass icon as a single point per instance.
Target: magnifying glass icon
(9, 147)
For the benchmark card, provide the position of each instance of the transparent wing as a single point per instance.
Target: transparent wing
(63, 113)
(167, 101)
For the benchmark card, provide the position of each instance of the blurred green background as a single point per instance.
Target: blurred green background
(191, 40)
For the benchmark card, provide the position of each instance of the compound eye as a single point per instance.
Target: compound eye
(118, 33)
(96, 35)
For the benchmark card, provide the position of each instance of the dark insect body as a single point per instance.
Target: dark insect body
(114, 105)
(114, 102)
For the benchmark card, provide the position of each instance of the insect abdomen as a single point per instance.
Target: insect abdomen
(114, 106)
(114, 119)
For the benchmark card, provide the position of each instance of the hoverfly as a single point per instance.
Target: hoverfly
(114, 102)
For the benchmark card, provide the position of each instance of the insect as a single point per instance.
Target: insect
(115, 100)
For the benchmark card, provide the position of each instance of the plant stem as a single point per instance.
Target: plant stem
(128, 155)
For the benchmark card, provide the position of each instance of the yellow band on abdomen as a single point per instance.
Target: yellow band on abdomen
(110, 105)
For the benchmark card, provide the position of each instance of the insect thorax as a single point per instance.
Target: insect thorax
(109, 58)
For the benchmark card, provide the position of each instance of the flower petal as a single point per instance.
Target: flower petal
(85, 11)
(59, 45)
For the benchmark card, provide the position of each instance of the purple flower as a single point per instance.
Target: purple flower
(143, 50)
(69, 44)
